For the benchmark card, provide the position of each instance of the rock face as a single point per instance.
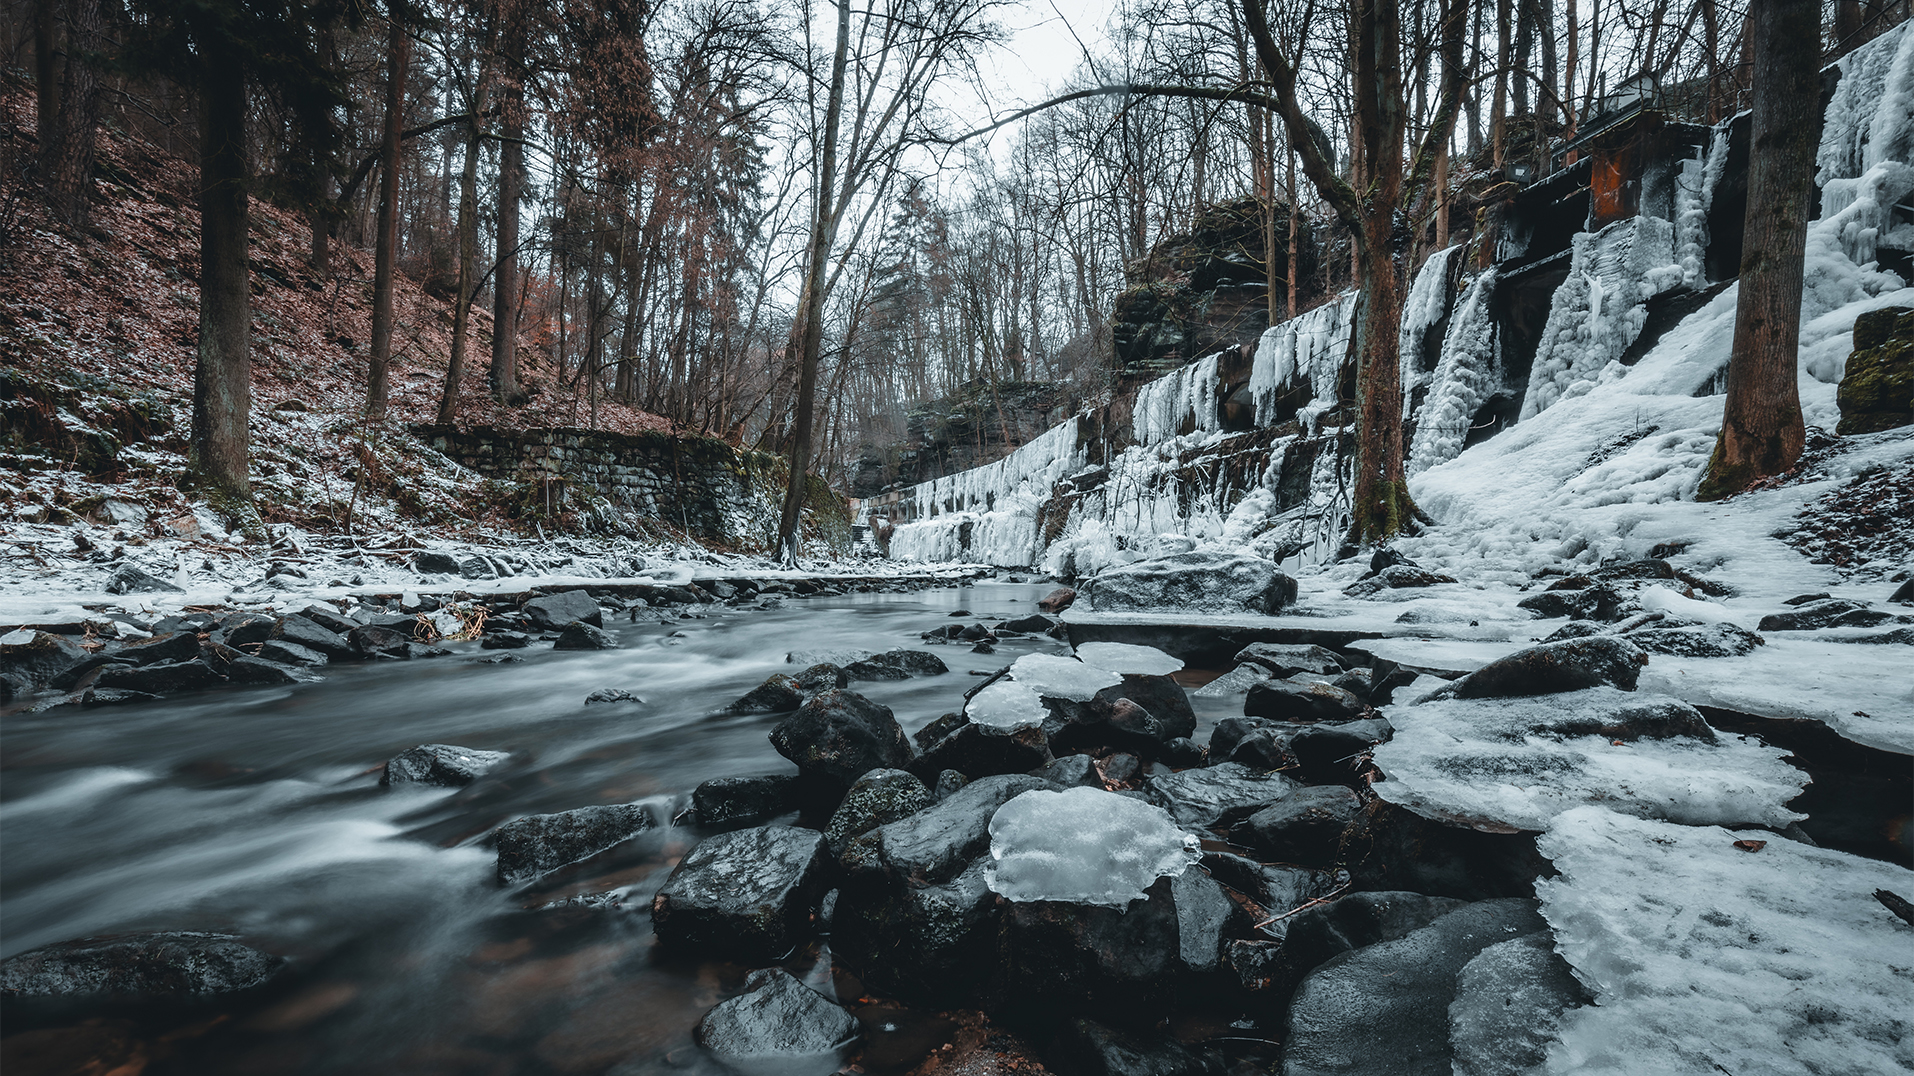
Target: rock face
(1569, 665)
(531, 846)
(175, 965)
(839, 736)
(738, 799)
(441, 764)
(1385, 1008)
(1508, 1004)
(749, 893)
(1200, 579)
(780, 1023)
(1877, 387)
(555, 611)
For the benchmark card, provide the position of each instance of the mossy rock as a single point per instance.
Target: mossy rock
(1877, 391)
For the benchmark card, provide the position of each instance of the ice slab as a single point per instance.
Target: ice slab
(1128, 658)
(1517, 762)
(1457, 655)
(1006, 704)
(1083, 845)
(1863, 692)
(1062, 678)
(1706, 958)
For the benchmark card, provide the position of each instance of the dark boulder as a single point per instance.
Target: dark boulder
(1877, 383)
(312, 636)
(1394, 577)
(164, 678)
(243, 629)
(1057, 600)
(931, 943)
(1569, 665)
(1183, 753)
(896, 665)
(372, 642)
(878, 798)
(39, 656)
(1508, 1006)
(1322, 931)
(837, 737)
(984, 751)
(554, 611)
(171, 646)
(427, 562)
(607, 695)
(169, 965)
(1392, 847)
(1290, 700)
(246, 669)
(780, 1026)
(505, 640)
(1903, 594)
(1813, 615)
(1034, 624)
(748, 894)
(1304, 827)
(286, 653)
(441, 764)
(778, 694)
(1335, 754)
(537, 844)
(824, 676)
(127, 579)
(1199, 579)
(1070, 771)
(743, 799)
(1231, 731)
(1085, 1048)
(579, 635)
(933, 846)
(113, 696)
(938, 729)
(1288, 659)
(1600, 601)
(1162, 696)
(1220, 795)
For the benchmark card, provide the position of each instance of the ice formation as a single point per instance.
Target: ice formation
(1128, 658)
(1308, 349)
(1709, 958)
(1182, 401)
(1423, 309)
(1062, 678)
(1466, 375)
(1500, 760)
(1084, 846)
(1694, 193)
(1007, 705)
(1870, 117)
(996, 503)
(1600, 309)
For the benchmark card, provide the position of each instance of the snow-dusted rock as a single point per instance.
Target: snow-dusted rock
(1082, 845)
(554, 611)
(537, 844)
(780, 1025)
(1569, 665)
(1199, 579)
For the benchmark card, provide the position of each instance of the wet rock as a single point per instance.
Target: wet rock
(1332, 754)
(837, 737)
(286, 653)
(1600, 601)
(246, 669)
(1256, 963)
(172, 646)
(242, 629)
(1569, 665)
(948, 782)
(743, 799)
(1200, 579)
(1070, 771)
(778, 694)
(1820, 614)
(166, 965)
(582, 636)
(984, 751)
(1357, 682)
(164, 678)
(748, 894)
(943, 726)
(878, 798)
(1305, 827)
(1232, 731)
(1392, 847)
(1086, 1048)
(505, 640)
(933, 846)
(1162, 696)
(1289, 700)
(1057, 600)
(127, 579)
(1394, 577)
(372, 643)
(537, 844)
(823, 676)
(444, 765)
(426, 562)
(779, 1026)
(1508, 1006)
(421, 650)
(555, 611)
(896, 665)
(77, 676)
(1034, 624)
(1183, 753)
(1318, 933)
(114, 696)
(1219, 795)
(311, 635)
(35, 657)
(1385, 1008)
(610, 695)
(932, 943)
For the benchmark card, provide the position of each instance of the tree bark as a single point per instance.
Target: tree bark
(385, 248)
(222, 380)
(1761, 426)
(46, 69)
(67, 159)
(503, 374)
(468, 254)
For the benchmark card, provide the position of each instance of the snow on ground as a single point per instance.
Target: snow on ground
(1707, 958)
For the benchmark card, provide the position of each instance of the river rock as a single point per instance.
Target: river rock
(35, 657)
(933, 846)
(554, 611)
(607, 695)
(243, 629)
(1713, 641)
(780, 1026)
(168, 965)
(171, 646)
(778, 694)
(505, 640)
(1057, 600)
(1332, 754)
(1090, 1049)
(163, 678)
(1162, 696)
(286, 653)
(1392, 847)
(1508, 1005)
(1071, 771)
(743, 799)
(441, 764)
(1305, 827)
(934, 944)
(1384, 1009)
(983, 751)
(1550, 668)
(311, 635)
(372, 642)
(1291, 700)
(579, 635)
(878, 798)
(1318, 933)
(748, 894)
(1395, 577)
(1596, 601)
(1820, 614)
(896, 665)
(1220, 795)
(537, 844)
(823, 676)
(246, 669)
(1034, 624)
(1199, 579)
(428, 562)
(113, 696)
(837, 737)
(1287, 659)
(128, 579)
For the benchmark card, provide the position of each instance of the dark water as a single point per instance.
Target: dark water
(259, 812)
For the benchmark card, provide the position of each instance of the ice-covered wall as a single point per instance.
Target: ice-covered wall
(1468, 373)
(1870, 117)
(1423, 309)
(1695, 184)
(1182, 401)
(1308, 349)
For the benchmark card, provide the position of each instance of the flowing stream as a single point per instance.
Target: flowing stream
(259, 812)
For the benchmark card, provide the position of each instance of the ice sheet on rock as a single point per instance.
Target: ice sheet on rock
(1862, 692)
(1308, 349)
(1008, 705)
(1062, 678)
(1237, 681)
(1706, 958)
(1423, 309)
(1082, 845)
(1128, 658)
(1482, 759)
(1600, 309)
(1466, 374)
(1868, 118)
(1180, 402)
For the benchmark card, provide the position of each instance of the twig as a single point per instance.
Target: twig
(1324, 899)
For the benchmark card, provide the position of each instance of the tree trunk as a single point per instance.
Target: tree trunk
(505, 283)
(67, 159)
(385, 248)
(811, 318)
(222, 380)
(1761, 426)
(46, 69)
(468, 255)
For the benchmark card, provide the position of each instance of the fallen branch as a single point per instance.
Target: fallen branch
(1324, 899)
